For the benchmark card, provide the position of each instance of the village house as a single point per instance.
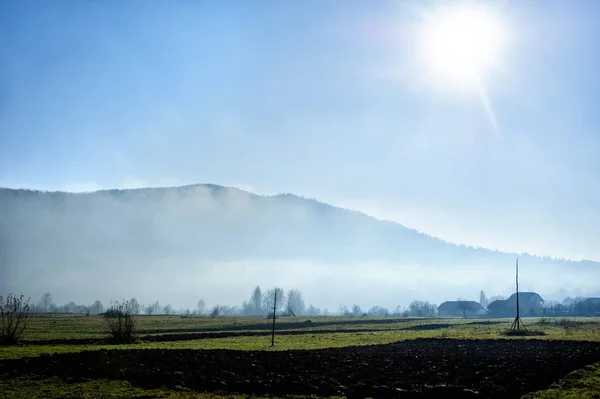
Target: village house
(587, 307)
(531, 304)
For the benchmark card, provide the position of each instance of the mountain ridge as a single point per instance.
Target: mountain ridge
(179, 243)
(218, 191)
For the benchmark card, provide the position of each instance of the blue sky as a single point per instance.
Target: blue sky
(319, 98)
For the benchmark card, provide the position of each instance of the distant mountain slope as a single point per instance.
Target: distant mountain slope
(212, 222)
(181, 244)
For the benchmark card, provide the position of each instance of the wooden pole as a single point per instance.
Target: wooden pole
(517, 323)
(274, 309)
(518, 318)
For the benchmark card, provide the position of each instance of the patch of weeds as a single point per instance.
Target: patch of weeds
(580, 384)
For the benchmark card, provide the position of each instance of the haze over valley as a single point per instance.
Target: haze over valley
(180, 244)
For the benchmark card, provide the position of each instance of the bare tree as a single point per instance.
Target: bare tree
(399, 311)
(247, 308)
(46, 302)
(483, 301)
(378, 311)
(421, 308)
(15, 315)
(356, 310)
(553, 308)
(215, 311)
(313, 311)
(97, 307)
(256, 301)
(295, 303)
(269, 299)
(201, 307)
(228, 310)
(153, 308)
(135, 306)
(121, 322)
(344, 310)
(71, 307)
(168, 309)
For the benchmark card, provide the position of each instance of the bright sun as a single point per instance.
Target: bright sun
(460, 44)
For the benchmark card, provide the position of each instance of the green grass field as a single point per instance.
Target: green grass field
(320, 332)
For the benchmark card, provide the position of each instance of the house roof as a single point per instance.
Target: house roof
(500, 303)
(593, 301)
(526, 296)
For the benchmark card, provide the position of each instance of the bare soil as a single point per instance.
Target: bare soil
(432, 368)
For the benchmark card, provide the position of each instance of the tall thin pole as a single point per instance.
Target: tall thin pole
(517, 323)
(274, 308)
(518, 318)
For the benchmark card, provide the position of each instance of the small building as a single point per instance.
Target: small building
(531, 304)
(498, 308)
(460, 309)
(587, 307)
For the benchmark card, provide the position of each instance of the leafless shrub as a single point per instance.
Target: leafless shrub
(15, 315)
(422, 309)
(121, 322)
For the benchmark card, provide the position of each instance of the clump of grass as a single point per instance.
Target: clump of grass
(580, 384)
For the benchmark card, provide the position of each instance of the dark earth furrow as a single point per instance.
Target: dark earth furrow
(417, 368)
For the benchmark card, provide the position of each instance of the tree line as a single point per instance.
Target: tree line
(292, 303)
(260, 303)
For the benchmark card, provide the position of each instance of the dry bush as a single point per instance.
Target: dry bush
(15, 315)
(120, 318)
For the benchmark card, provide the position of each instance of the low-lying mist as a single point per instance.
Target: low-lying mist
(323, 285)
(179, 245)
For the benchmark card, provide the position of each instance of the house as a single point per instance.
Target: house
(530, 305)
(587, 307)
(498, 308)
(460, 308)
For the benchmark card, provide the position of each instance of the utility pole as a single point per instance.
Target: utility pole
(274, 309)
(517, 282)
(517, 323)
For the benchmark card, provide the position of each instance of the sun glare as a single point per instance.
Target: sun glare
(460, 44)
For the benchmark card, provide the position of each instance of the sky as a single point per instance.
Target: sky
(316, 98)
